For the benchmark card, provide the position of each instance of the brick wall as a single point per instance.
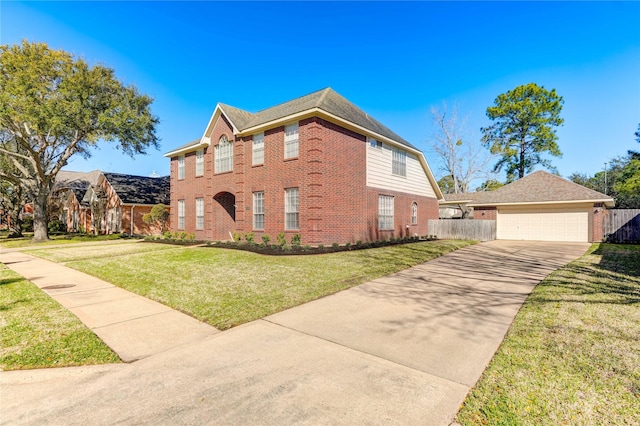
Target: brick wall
(329, 172)
(486, 213)
(599, 213)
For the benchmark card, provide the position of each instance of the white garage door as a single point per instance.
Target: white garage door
(543, 225)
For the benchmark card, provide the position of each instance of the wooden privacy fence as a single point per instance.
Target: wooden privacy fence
(622, 226)
(463, 229)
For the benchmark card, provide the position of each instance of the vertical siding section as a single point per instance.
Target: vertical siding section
(622, 226)
(379, 161)
(462, 229)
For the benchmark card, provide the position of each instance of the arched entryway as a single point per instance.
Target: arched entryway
(224, 215)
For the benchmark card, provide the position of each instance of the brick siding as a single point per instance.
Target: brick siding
(335, 205)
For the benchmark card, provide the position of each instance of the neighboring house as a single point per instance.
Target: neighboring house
(113, 202)
(70, 189)
(540, 206)
(316, 166)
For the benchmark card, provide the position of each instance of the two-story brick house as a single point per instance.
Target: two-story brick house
(317, 166)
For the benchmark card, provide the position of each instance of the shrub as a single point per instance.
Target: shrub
(282, 240)
(167, 235)
(183, 235)
(265, 239)
(335, 245)
(237, 236)
(27, 224)
(295, 240)
(249, 236)
(348, 245)
(55, 226)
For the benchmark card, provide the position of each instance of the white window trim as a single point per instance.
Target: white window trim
(374, 143)
(399, 162)
(181, 166)
(291, 141)
(199, 214)
(181, 210)
(291, 209)
(257, 156)
(386, 212)
(224, 155)
(200, 162)
(258, 210)
(414, 213)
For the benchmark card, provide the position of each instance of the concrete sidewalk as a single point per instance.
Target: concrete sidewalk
(133, 326)
(403, 349)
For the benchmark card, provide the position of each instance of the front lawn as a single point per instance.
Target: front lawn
(54, 240)
(36, 331)
(572, 355)
(229, 287)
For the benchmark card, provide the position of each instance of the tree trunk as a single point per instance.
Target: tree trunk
(40, 231)
(15, 223)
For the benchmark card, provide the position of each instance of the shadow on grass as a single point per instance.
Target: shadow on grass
(616, 276)
(8, 281)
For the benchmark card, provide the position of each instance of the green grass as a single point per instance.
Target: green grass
(36, 332)
(230, 287)
(54, 240)
(572, 355)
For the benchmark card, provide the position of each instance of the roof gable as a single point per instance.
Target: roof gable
(537, 187)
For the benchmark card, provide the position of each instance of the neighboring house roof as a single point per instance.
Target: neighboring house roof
(140, 189)
(537, 188)
(78, 182)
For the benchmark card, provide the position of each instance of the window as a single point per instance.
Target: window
(385, 212)
(258, 149)
(200, 162)
(399, 166)
(199, 213)
(181, 167)
(258, 210)
(180, 214)
(224, 155)
(414, 213)
(375, 143)
(291, 141)
(291, 204)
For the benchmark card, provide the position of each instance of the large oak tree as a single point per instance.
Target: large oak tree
(54, 106)
(523, 129)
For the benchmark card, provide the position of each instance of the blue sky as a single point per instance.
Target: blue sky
(392, 59)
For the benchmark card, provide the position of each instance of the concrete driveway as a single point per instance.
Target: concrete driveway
(403, 349)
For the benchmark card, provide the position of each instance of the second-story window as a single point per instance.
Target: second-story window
(181, 167)
(224, 156)
(399, 166)
(258, 149)
(291, 149)
(200, 162)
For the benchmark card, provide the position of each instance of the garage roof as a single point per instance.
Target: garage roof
(537, 188)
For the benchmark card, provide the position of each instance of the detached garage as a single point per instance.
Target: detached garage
(538, 207)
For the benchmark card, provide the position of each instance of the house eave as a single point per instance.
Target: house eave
(186, 150)
(607, 202)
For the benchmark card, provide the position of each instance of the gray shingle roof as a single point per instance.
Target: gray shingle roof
(78, 182)
(140, 189)
(326, 99)
(538, 187)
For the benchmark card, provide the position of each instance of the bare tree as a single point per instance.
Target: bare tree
(463, 160)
